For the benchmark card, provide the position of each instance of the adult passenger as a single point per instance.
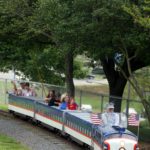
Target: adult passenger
(58, 99)
(51, 98)
(109, 117)
(28, 91)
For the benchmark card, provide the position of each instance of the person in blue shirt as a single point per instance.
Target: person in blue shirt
(64, 101)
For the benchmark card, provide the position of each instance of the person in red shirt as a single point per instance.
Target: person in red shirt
(72, 105)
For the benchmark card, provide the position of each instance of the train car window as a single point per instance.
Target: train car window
(70, 124)
(80, 129)
(58, 118)
(85, 131)
(76, 126)
(73, 125)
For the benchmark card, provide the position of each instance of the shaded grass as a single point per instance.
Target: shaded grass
(144, 133)
(102, 88)
(7, 143)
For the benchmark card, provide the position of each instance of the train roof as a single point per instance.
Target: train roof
(86, 116)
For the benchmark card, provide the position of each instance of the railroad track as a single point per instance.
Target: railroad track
(5, 113)
(31, 133)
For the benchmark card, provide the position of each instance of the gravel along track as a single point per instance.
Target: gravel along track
(34, 137)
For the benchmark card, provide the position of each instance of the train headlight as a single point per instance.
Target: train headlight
(122, 143)
(122, 146)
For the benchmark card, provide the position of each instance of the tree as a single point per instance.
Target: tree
(140, 15)
(108, 29)
(64, 28)
(58, 17)
(33, 40)
(102, 28)
(25, 49)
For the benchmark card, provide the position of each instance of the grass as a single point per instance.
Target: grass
(4, 107)
(95, 99)
(5, 85)
(7, 143)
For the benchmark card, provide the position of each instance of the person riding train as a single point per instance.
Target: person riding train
(109, 117)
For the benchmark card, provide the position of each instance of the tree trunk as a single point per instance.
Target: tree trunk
(69, 73)
(116, 83)
(116, 90)
(116, 80)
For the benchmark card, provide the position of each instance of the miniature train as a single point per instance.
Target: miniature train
(76, 124)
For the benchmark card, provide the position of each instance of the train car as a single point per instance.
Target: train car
(49, 115)
(76, 124)
(21, 105)
(113, 138)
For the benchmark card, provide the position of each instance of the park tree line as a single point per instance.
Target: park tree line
(41, 38)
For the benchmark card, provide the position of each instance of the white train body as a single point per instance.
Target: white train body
(77, 124)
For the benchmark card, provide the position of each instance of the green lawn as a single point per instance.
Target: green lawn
(7, 143)
(4, 107)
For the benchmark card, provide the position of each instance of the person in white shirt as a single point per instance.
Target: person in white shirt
(28, 91)
(109, 117)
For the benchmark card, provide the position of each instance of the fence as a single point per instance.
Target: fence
(98, 101)
(40, 89)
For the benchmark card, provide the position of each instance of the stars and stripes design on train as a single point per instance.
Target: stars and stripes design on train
(96, 119)
(133, 119)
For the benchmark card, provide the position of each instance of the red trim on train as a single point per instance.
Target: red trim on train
(49, 118)
(108, 145)
(135, 146)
